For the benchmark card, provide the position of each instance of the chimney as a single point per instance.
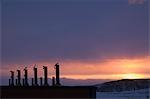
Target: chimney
(19, 78)
(41, 81)
(23, 82)
(32, 82)
(53, 81)
(35, 77)
(16, 82)
(12, 78)
(45, 76)
(9, 82)
(26, 77)
(57, 74)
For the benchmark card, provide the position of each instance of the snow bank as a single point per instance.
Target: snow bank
(138, 94)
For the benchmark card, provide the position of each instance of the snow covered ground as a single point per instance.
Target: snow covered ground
(138, 94)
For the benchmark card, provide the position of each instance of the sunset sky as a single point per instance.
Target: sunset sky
(91, 39)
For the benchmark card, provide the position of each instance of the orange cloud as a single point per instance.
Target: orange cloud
(108, 69)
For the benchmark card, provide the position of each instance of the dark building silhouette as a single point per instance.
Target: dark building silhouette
(22, 89)
(45, 76)
(16, 82)
(48, 92)
(11, 80)
(19, 78)
(26, 77)
(32, 81)
(23, 82)
(35, 77)
(41, 81)
(57, 75)
(53, 81)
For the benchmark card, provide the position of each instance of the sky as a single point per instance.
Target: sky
(91, 39)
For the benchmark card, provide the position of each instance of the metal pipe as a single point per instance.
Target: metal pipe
(16, 82)
(19, 77)
(57, 74)
(26, 76)
(45, 76)
(12, 78)
(9, 82)
(41, 81)
(23, 82)
(53, 81)
(35, 77)
(32, 82)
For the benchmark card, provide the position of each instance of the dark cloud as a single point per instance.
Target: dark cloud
(76, 31)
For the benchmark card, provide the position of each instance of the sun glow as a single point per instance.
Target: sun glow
(108, 69)
(132, 76)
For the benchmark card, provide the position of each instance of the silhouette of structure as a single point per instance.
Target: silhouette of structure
(53, 81)
(41, 81)
(19, 78)
(22, 89)
(32, 81)
(45, 76)
(35, 76)
(23, 82)
(26, 77)
(48, 92)
(57, 74)
(16, 82)
(11, 80)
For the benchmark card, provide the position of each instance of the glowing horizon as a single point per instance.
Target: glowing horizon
(109, 69)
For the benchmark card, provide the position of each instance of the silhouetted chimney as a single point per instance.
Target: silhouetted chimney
(12, 78)
(57, 75)
(41, 81)
(32, 82)
(26, 76)
(53, 81)
(23, 82)
(45, 76)
(19, 78)
(9, 82)
(16, 82)
(35, 77)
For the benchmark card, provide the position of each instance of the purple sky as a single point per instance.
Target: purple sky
(44, 30)
(47, 30)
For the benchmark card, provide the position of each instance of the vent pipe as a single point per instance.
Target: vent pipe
(19, 78)
(35, 77)
(16, 82)
(41, 81)
(12, 78)
(23, 82)
(26, 77)
(45, 76)
(53, 81)
(9, 82)
(57, 74)
(32, 82)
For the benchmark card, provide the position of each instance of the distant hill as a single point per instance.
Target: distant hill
(124, 85)
(65, 81)
(82, 82)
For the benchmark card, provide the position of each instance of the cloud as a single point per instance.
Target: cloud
(72, 31)
(136, 2)
(110, 68)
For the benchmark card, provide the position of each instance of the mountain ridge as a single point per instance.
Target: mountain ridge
(123, 85)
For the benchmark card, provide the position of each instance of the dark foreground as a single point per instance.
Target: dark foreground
(87, 92)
